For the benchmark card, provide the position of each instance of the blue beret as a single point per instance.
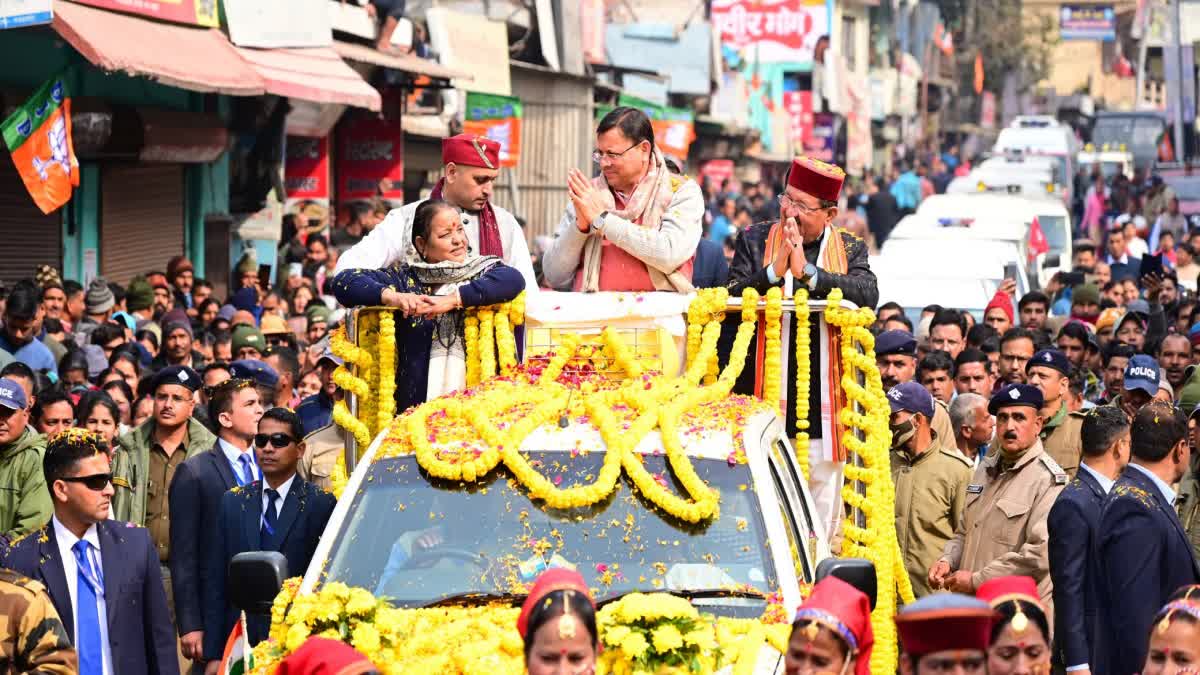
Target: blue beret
(895, 342)
(180, 375)
(253, 369)
(912, 397)
(1050, 358)
(1016, 394)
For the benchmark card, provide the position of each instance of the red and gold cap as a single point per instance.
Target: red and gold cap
(944, 621)
(845, 610)
(553, 579)
(471, 150)
(812, 176)
(322, 656)
(1000, 590)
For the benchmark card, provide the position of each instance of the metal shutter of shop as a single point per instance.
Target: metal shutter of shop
(141, 219)
(30, 237)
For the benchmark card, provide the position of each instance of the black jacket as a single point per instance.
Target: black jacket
(1073, 523)
(858, 284)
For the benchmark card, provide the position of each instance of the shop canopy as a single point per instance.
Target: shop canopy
(314, 74)
(408, 63)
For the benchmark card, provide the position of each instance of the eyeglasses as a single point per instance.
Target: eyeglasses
(598, 156)
(278, 440)
(96, 481)
(786, 202)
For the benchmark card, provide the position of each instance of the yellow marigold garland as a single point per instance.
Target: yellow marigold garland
(338, 477)
(471, 338)
(487, 342)
(773, 352)
(803, 377)
(386, 407)
(506, 343)
(652, 633)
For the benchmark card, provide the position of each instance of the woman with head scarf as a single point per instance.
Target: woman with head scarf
(558, 624)
(831, 632)
(1020, 641)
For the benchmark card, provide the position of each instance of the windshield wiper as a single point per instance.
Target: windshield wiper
(691, 594)
(477, 598)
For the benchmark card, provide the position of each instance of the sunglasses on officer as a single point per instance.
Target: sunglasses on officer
(277, 440)
(95, 481)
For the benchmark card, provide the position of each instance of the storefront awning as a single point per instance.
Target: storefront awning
(405, 62)
(314, 74)
(196, 59)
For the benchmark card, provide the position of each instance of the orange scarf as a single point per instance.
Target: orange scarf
(832, 259)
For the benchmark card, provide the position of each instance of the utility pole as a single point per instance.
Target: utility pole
(1177, 54)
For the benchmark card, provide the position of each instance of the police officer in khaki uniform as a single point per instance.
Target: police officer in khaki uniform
(1048, 370)
(931, 483)
(896, 356)
(1187, 503)
(321, 451)
(1003, 530)
(32, 637)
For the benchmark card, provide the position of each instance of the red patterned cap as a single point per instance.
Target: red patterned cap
(845, 610)
(322, 656)
(1002, 589)
(471, 150)
(812, 176)
(944, 621)
(553, 579)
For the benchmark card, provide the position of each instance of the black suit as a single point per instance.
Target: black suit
(1144, 556)
(1073, 523)
(139, 626)
(194, 497)
(306, 510)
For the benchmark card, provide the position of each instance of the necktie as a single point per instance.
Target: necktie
(247, 476)
(270, 518)
(87, 635)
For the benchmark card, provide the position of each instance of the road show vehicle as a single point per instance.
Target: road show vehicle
(1042, 135)
(1140, 132)
(645, 440)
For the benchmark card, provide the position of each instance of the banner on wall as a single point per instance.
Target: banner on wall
(1087, 22)
(370, 160)
(193, 12)
(821, 142)
(497, 118)
(674, 128)
(780, 31)
(800, 112)
(306, 179)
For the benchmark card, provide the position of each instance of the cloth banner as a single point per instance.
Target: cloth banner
(498, 118)
(38, 134)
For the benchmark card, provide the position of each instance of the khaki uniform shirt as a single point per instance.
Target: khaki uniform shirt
(1060, 437)
(32, 636)
(1188, 506)
(158, 516)
(321, 451)
(942, 428)
(930, 492)
(1003, 529)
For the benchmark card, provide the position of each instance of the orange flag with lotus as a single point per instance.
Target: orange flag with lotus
(38, 134)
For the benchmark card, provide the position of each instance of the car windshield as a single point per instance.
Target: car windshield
(1139, 133)
(1186, 188)
(1055, 229)
(418, 539)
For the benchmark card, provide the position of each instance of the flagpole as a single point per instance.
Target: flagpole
(247, 659)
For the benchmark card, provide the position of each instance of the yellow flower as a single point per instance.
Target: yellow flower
(702, 638)
(296, 636)
(616, 634)
(634, 645)
(360, 602)
(365, 638)
(666, 638)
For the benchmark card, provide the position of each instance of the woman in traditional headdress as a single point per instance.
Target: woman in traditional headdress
(558, 625)
(1175, 636)
(1020, 641)
(832, 631)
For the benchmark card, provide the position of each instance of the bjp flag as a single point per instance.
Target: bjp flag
(38, 134)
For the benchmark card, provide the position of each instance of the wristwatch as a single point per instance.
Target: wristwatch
(597, 224)
(810, 271)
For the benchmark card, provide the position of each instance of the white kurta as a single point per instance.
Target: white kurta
(391, 240)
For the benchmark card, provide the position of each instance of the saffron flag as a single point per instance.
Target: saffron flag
(943, 39)
(978, 72)
(238, 658)
(1037, 240)
(38, 134)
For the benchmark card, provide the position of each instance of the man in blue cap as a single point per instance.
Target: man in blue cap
(25, 503)
(896, 357)
(1049, 370)
(931, 478)
(1003, 530)
(263, 376)
(1139, 384)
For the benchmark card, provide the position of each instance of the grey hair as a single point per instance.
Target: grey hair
(962, 410)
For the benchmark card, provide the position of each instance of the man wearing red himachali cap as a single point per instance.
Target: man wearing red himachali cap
(469, 176)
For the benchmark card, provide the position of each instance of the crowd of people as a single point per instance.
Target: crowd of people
(1046, 492)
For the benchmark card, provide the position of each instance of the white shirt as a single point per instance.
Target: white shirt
(66, 542)
(283, 493)
(232, 453)
(1105, 482)
(391, 240)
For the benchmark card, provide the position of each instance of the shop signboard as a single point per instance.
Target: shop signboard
(370, 160)
(800, 111)
(272, 24)
(306, 179)
(194, 12)
(821, 143)
(21, 13)
(1087, 22)
(497, 118)
(778, 31)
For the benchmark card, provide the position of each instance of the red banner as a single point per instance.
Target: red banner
(780, 30)
(306, 173)
(800, 111)
(193, 12)
(370, 160)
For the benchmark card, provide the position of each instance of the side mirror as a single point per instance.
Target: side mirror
(858, 572)
(255, 578)
(1052, 261)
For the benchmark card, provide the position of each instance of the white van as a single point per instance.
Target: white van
(1042, 135)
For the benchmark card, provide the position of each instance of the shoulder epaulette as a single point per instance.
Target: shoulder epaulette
(1060, 476)
(1078, 414)
(41, 534)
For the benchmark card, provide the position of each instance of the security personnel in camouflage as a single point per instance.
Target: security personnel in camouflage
(1049, 371)
(33, 639)
(1003, 529)
(931, 483)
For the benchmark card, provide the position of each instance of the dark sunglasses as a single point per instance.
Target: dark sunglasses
(96, 481)
(279, 440)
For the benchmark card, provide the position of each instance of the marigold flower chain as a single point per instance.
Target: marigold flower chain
(773, 352)
(471, 338)
(387, 370)
(487, 342)
(803, 375)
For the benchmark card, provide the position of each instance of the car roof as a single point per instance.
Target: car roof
(989, 203)
(1034, 140)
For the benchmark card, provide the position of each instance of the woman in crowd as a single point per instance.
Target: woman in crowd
(558, 624)
(99, 413)
(310, 384)
(1021, 633)
(440, 278)
(1175, 636)
(122, 395)
(143, 410)
(207, 311)
(831, 632)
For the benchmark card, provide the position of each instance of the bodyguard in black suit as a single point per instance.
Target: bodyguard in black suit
(195, 496)
(1073, 526)
(1144, 553)
(102, 575)
(283, 513)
